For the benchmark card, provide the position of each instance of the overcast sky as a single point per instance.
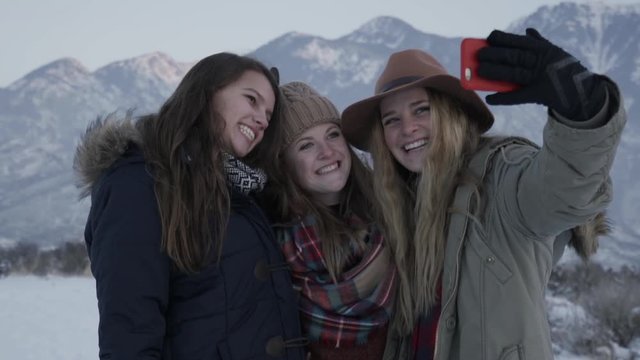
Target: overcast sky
(97, 32)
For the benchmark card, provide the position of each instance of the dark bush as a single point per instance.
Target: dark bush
(610, 297)
(69, 258)
(72, 258)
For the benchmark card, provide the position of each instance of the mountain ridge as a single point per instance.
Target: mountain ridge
(43, 113)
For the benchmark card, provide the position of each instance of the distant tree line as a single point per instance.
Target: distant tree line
(69, 258)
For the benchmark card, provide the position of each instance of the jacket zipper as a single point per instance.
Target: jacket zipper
(455, 290)
(486, 165)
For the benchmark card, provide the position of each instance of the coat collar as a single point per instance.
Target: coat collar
(103, 143)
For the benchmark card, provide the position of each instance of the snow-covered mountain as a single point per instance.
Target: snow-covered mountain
(43, 114)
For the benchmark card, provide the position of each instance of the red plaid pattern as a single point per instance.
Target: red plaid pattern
(335, 313)
(424, 333)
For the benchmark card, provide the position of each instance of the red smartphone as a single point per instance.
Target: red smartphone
(469, 77)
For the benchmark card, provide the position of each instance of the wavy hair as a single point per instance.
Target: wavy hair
(416, 206)
(183, 146)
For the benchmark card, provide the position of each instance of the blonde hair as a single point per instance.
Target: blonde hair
(418, 239)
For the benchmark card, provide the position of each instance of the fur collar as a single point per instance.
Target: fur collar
(104, 142)
(584, 238)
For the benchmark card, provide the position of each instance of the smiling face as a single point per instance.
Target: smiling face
(246, 106)
(406, 123)
(321, 161)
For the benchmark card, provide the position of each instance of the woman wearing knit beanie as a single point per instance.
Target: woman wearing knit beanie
(321, 201)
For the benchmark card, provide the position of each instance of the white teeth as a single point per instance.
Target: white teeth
(327, 169)
(246, 131)
(415, 144)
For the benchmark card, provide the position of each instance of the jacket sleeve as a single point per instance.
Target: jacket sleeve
(566, 182)
(132, 274)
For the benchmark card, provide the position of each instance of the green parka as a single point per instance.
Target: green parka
(533, 200)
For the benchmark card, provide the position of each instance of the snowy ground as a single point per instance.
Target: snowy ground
(56, 318)
(48, 318)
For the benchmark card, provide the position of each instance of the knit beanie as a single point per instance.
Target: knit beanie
(303, 108)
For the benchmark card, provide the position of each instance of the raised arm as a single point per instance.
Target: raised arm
(566, 182)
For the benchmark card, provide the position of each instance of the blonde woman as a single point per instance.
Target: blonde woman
(476, 222)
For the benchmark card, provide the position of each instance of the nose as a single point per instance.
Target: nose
(260, 118)
(409, 125)
(324, 150)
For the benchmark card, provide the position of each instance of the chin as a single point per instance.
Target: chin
(243, 151)
(332, 188)
(341, 185)
(416, 168)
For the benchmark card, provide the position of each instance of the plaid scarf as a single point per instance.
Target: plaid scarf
(241, 177)
(345, 312)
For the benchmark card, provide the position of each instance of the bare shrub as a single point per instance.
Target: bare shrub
(45, 261)
(23, 257)
(612, 302)
(572, 327)
(69, 258)
(72, 258)
(610, 297)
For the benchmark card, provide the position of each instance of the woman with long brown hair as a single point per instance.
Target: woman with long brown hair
(476, 222)
(326, 222)
(185, 262)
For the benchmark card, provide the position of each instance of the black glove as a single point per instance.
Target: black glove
(547, 74)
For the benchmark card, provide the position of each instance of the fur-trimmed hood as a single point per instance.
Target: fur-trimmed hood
(104, 142)
(584, 238)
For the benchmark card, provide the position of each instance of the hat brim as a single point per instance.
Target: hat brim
(357, 119)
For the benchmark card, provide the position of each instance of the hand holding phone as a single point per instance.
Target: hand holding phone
(469, 77)
(547, 74)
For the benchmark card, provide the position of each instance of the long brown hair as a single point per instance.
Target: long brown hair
(183, 146)
(288, 201)
(416, 206)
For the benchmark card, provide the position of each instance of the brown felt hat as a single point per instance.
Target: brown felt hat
(406, 69)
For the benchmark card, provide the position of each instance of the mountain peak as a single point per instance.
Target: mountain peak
(384, 24)
(66, 70)
(591, 9)
(383, 30)
(287, 39)
(63, 67)
(148, 60)
(591, 31)
(155, 64)
(152, 59)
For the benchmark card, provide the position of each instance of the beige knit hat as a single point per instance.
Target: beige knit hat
(303, 108)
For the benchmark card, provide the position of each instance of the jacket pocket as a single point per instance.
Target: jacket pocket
(515, 352)
(490, 260)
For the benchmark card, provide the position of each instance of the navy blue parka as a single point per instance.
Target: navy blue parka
(243, 307)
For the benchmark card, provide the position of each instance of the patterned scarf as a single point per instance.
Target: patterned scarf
(243, 178)
(346, 312)
(424, 333)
